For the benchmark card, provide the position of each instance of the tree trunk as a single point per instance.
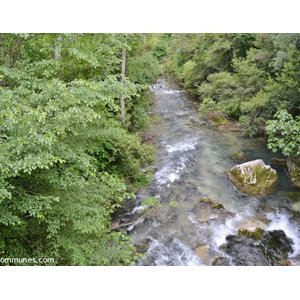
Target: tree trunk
(58, 47)
(15, 50)
(122, 102)
(2, 48)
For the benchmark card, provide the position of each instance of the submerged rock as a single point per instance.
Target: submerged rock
(206, 200)
(271, 250)
(296, 206)
(217, 206)
(287, 263)
(279, 163)
(233, 127)
(213, 205)
(295, 196)
(238, 157)
(209, 210)
(254, 178)
(293, 166)
(295, 200)
(162, 214)
(221, 261)
(205, 254)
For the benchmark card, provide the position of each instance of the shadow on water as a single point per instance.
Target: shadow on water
(193, 162)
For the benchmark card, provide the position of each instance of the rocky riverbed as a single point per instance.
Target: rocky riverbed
(201, 212)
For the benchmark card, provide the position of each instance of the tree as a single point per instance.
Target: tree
(58, 47)
(122, 102)
(284, 133)
(65, 156)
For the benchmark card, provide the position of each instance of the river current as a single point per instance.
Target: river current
(192, 162)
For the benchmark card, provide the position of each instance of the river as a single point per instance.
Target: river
(192, 162)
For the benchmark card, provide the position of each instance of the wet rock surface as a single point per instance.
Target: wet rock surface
(162, 213)
(293, 166)
(239, 157)
(279, 163)
(205, 254)
(217, 119)
(209, 210)
(254, 178)
(271, 250)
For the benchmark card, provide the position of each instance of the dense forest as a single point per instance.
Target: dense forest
(68, 160)
(249, 77)
(74, 111)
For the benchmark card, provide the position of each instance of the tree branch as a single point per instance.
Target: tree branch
(130, 223)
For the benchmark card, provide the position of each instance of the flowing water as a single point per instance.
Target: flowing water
(193, 162)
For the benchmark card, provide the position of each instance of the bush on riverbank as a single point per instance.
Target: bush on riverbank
(246, 76)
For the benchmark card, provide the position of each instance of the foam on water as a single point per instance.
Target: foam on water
(174, 164)
(171, 171)
(173, 253)
(172, 92)
(231, 225)
(135, 224)
(281, 221)
(182, 146)
(138, 209)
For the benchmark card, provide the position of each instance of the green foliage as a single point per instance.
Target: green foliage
(284, 133)
(188, 73)
(247, 76)
(67, 163)
(160, 48)
(173, 204)
(242, 42)
(140, 120)
(220, 87)
(207, 106)
(283, 43)
(144, 69)
(150, 202)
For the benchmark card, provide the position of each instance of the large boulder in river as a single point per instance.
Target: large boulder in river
(271, 249)
(254, 177)
(293, 166)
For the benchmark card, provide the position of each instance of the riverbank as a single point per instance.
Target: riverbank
(193, 161)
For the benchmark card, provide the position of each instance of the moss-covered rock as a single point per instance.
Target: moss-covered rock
(212, 204)
(217, 206)
(254, 178)
(238, 157)
(217, 120)
(271, 249)
(293, 166)
(255, 233)
(206, 200)
(295, 196)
